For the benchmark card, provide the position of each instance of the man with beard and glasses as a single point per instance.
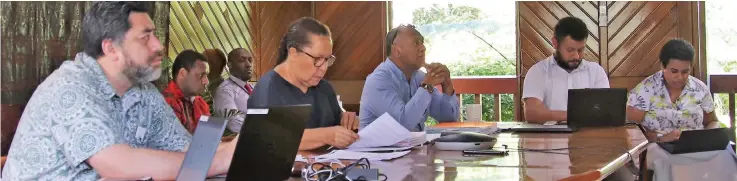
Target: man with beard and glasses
(189, 73)
(545, 91)
(99, 116)
(398, 87)
(234, 92)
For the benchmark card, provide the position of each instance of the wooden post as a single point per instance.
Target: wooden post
(460, 107)
(731, 110)
(497, 108)
(732, 125)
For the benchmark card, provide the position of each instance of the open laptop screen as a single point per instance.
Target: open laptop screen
(268, 143)
(202, 149)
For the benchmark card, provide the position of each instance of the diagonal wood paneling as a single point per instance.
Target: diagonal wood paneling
(639, 31)
(627, 46)
(202, 25)
(536, 21)
(358, 40)
(270, 21)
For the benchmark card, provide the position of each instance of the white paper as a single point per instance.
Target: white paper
(417, 138)
(380, 149)
(300, 158)
(384, 131)
(354, 155)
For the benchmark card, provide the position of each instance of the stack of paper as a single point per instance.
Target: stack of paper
(385, 131)
(354, 155)
(417, 138)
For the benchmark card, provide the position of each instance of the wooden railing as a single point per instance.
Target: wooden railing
(725, 83)
(494, 85)
(350, 90)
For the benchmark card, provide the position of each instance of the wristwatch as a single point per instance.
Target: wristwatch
(427, 87)
(658, 136)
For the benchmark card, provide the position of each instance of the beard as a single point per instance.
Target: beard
(566, 64)
(141, 73)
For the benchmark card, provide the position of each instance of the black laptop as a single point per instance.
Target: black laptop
(268, 143)
(599, 107)
(593, 107)
(698, 141)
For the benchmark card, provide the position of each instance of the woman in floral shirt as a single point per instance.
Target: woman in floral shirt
(671, 100)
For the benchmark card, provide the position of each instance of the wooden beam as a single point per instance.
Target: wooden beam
(722, 83)
(477, 98)
(497, 108)
(485, 84)
(731, 110)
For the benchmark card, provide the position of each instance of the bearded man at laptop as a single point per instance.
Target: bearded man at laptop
(545, 91)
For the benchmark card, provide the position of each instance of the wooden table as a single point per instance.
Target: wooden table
(593, 155)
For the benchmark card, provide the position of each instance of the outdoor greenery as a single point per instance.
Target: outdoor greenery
(442, 23)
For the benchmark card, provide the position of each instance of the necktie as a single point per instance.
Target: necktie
(248, 89)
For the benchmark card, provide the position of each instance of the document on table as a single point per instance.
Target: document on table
(354, 155)
(380, 149)
(384, 131)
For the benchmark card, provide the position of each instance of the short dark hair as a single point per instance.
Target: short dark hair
(186, 59)
(676, 49)
(297, 35)
(233, 53)
(107, 20)
(393, 35)
(571, 26)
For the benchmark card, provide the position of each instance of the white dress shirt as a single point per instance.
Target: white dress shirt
(231, 94)
(550, 83)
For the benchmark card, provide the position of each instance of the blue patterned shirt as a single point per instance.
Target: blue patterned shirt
(75, 113)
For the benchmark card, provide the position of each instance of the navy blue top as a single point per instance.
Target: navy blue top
(273, 90)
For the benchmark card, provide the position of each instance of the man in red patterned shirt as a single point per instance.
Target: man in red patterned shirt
(189, 74)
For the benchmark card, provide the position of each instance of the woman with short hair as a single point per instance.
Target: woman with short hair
(671, 100)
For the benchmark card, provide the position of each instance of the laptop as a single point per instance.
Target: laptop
(599, 107)
(592, 107)
(202, 149)
(693, 141)
(268, 143)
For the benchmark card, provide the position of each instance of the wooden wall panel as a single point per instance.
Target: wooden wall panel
(536, 23)
(37, 38)
(209, 25)
(270, 21)
(635, 44)
(359, 31)
(627, 45)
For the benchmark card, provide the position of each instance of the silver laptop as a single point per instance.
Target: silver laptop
(202, 149)
(530, 127)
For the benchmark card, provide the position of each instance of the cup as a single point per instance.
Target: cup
(473, 112)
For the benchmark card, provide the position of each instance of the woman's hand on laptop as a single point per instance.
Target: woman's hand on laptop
(672, 136)
(339, 136)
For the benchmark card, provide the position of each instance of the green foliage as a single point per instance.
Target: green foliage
(445, 15)
(442, 22)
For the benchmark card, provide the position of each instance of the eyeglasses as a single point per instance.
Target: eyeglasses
(319, 61)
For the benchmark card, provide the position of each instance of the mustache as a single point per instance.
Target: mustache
(156, 54)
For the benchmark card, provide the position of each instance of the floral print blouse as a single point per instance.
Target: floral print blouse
(662, 115)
